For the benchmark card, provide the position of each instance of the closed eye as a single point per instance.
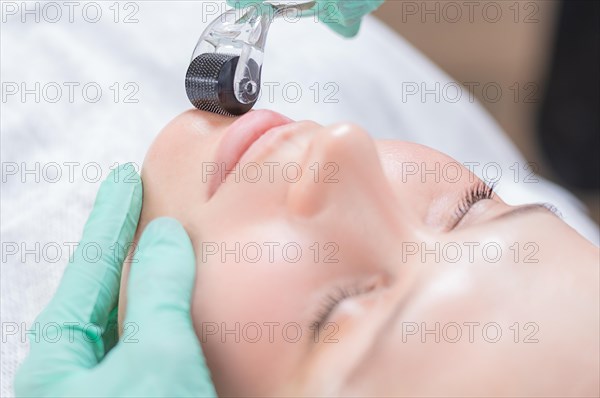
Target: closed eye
(335, 297)
(475, 193)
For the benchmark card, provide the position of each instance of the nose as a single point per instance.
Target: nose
(345, 168)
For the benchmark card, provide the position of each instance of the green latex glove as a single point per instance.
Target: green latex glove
(159, 354)
(342, 16)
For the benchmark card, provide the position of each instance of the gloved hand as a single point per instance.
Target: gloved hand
(343, 16)
(159, 354)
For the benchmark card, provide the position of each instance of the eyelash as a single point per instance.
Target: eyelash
(479, 191)
(475, 193)
(332, 299)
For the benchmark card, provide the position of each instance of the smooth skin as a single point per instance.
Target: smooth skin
(544, 302)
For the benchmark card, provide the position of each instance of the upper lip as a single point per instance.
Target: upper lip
(240, 136)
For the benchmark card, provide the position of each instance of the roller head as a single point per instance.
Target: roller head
(209, 84)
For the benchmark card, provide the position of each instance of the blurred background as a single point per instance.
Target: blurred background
(534, 65)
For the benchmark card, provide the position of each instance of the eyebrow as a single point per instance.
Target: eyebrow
(528, 209)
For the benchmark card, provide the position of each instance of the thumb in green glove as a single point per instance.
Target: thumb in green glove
(159, 354)
(342, 16)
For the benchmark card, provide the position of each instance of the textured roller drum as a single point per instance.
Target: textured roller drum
(209, 84)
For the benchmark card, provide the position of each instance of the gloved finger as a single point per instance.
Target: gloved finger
(345, 12)
(158, 326)
(111, 330)
(161, 278)
(88, 291)
(342, 16)
(346, 31)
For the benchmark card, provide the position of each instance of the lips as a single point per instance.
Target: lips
(238, 138)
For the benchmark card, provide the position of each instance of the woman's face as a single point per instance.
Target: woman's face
(333, 264)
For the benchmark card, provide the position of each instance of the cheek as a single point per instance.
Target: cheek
(239, 312)
(174, 172)
(173, 182)
(427, 185)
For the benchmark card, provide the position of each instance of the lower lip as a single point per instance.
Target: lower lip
(239, 137)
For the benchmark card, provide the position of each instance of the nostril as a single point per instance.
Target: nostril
(209, 84)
